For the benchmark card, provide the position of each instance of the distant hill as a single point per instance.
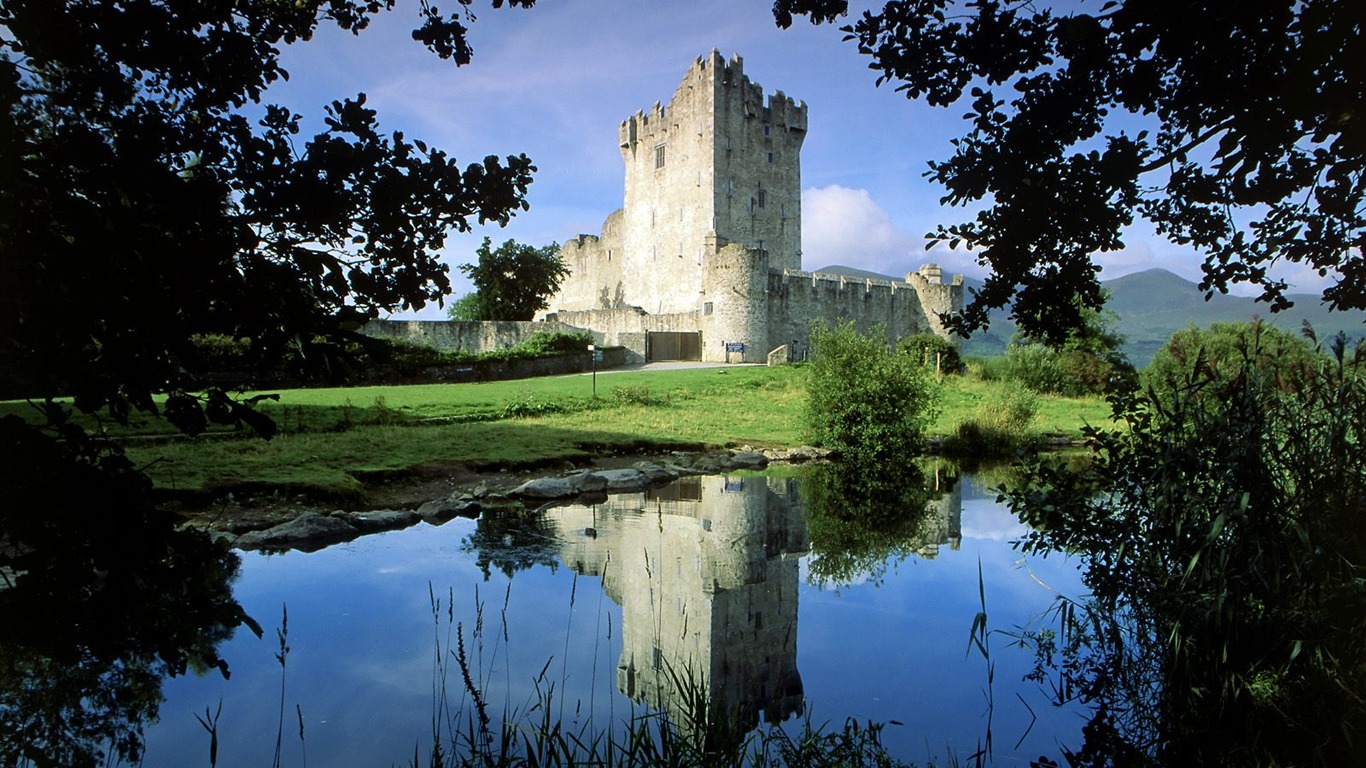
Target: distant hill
(1154, 304)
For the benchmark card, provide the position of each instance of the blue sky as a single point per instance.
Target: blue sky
(556, 80)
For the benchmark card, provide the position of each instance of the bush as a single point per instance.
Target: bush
(1228, 350)
(544, 343)
(933, 352)
(640, 395)
(219, 351)
(865, 402)
(1223, 548)
(1068, 372)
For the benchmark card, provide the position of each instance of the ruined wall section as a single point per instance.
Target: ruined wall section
(596, 277)
(937, 297)
(903, 308)
(758, 190)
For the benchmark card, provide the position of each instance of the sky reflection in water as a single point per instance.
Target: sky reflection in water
(712, 572)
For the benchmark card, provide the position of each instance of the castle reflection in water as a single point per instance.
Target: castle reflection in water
(706, 571)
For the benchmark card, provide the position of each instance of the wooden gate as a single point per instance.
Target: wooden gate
(673, 345)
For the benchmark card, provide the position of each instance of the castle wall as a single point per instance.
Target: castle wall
(463, 336)
(627, 327)
(903, 308)
(596, 275)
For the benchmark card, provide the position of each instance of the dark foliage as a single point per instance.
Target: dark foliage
(1225, 555)
(1236, 129)
(101, 596)
(140, 205)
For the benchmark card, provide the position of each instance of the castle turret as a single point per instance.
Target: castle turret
(736, 303)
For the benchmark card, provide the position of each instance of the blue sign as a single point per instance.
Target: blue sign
(735, 346)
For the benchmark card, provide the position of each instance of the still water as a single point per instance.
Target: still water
(595, 604)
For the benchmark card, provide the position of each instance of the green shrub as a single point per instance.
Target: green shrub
(1220, 532)
(526, 405)
(1000, 425)
(219, 352)
(544, 343)
(933, 352)
(639, 395)
(1225, 351)
(1068, 372)
(863, 401)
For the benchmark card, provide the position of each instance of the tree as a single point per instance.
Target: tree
(864, 401)
(1088, 361)
(1280, 359)
(467, 308)
(515, 281)
(1233, 128)
(147, 195)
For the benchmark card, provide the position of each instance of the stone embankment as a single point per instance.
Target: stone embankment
(313, 530)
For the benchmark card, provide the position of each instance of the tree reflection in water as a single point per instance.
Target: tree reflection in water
(512, 541)
(863, 519)
(101, 597)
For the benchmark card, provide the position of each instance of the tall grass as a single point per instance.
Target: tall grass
(466, 731)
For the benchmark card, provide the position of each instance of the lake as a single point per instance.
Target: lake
(602, 609)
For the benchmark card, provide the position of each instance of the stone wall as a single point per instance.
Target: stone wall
(456, 336)
(795, 299)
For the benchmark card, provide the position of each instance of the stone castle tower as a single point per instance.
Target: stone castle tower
(710, 235)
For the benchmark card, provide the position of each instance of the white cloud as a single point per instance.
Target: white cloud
(846, 226)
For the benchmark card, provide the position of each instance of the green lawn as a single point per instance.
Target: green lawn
(330, 436)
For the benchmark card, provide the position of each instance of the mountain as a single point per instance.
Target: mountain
(1153, 304)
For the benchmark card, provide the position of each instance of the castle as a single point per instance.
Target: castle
(703, 261)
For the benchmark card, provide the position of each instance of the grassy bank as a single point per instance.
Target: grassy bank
(331, 437)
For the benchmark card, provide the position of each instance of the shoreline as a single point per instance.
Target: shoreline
(434, 494)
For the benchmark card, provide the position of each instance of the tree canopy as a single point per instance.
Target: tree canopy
(1236, 129)
(148, 193)
(512, 282)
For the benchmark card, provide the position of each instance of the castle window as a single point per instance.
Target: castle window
(762, 197)
(761, 245)
(706, 308)
(768, 130)
(752, 203)
(782, 210)
(659, 156)
(770, 158)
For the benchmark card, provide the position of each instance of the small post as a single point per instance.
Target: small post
(593, 353)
